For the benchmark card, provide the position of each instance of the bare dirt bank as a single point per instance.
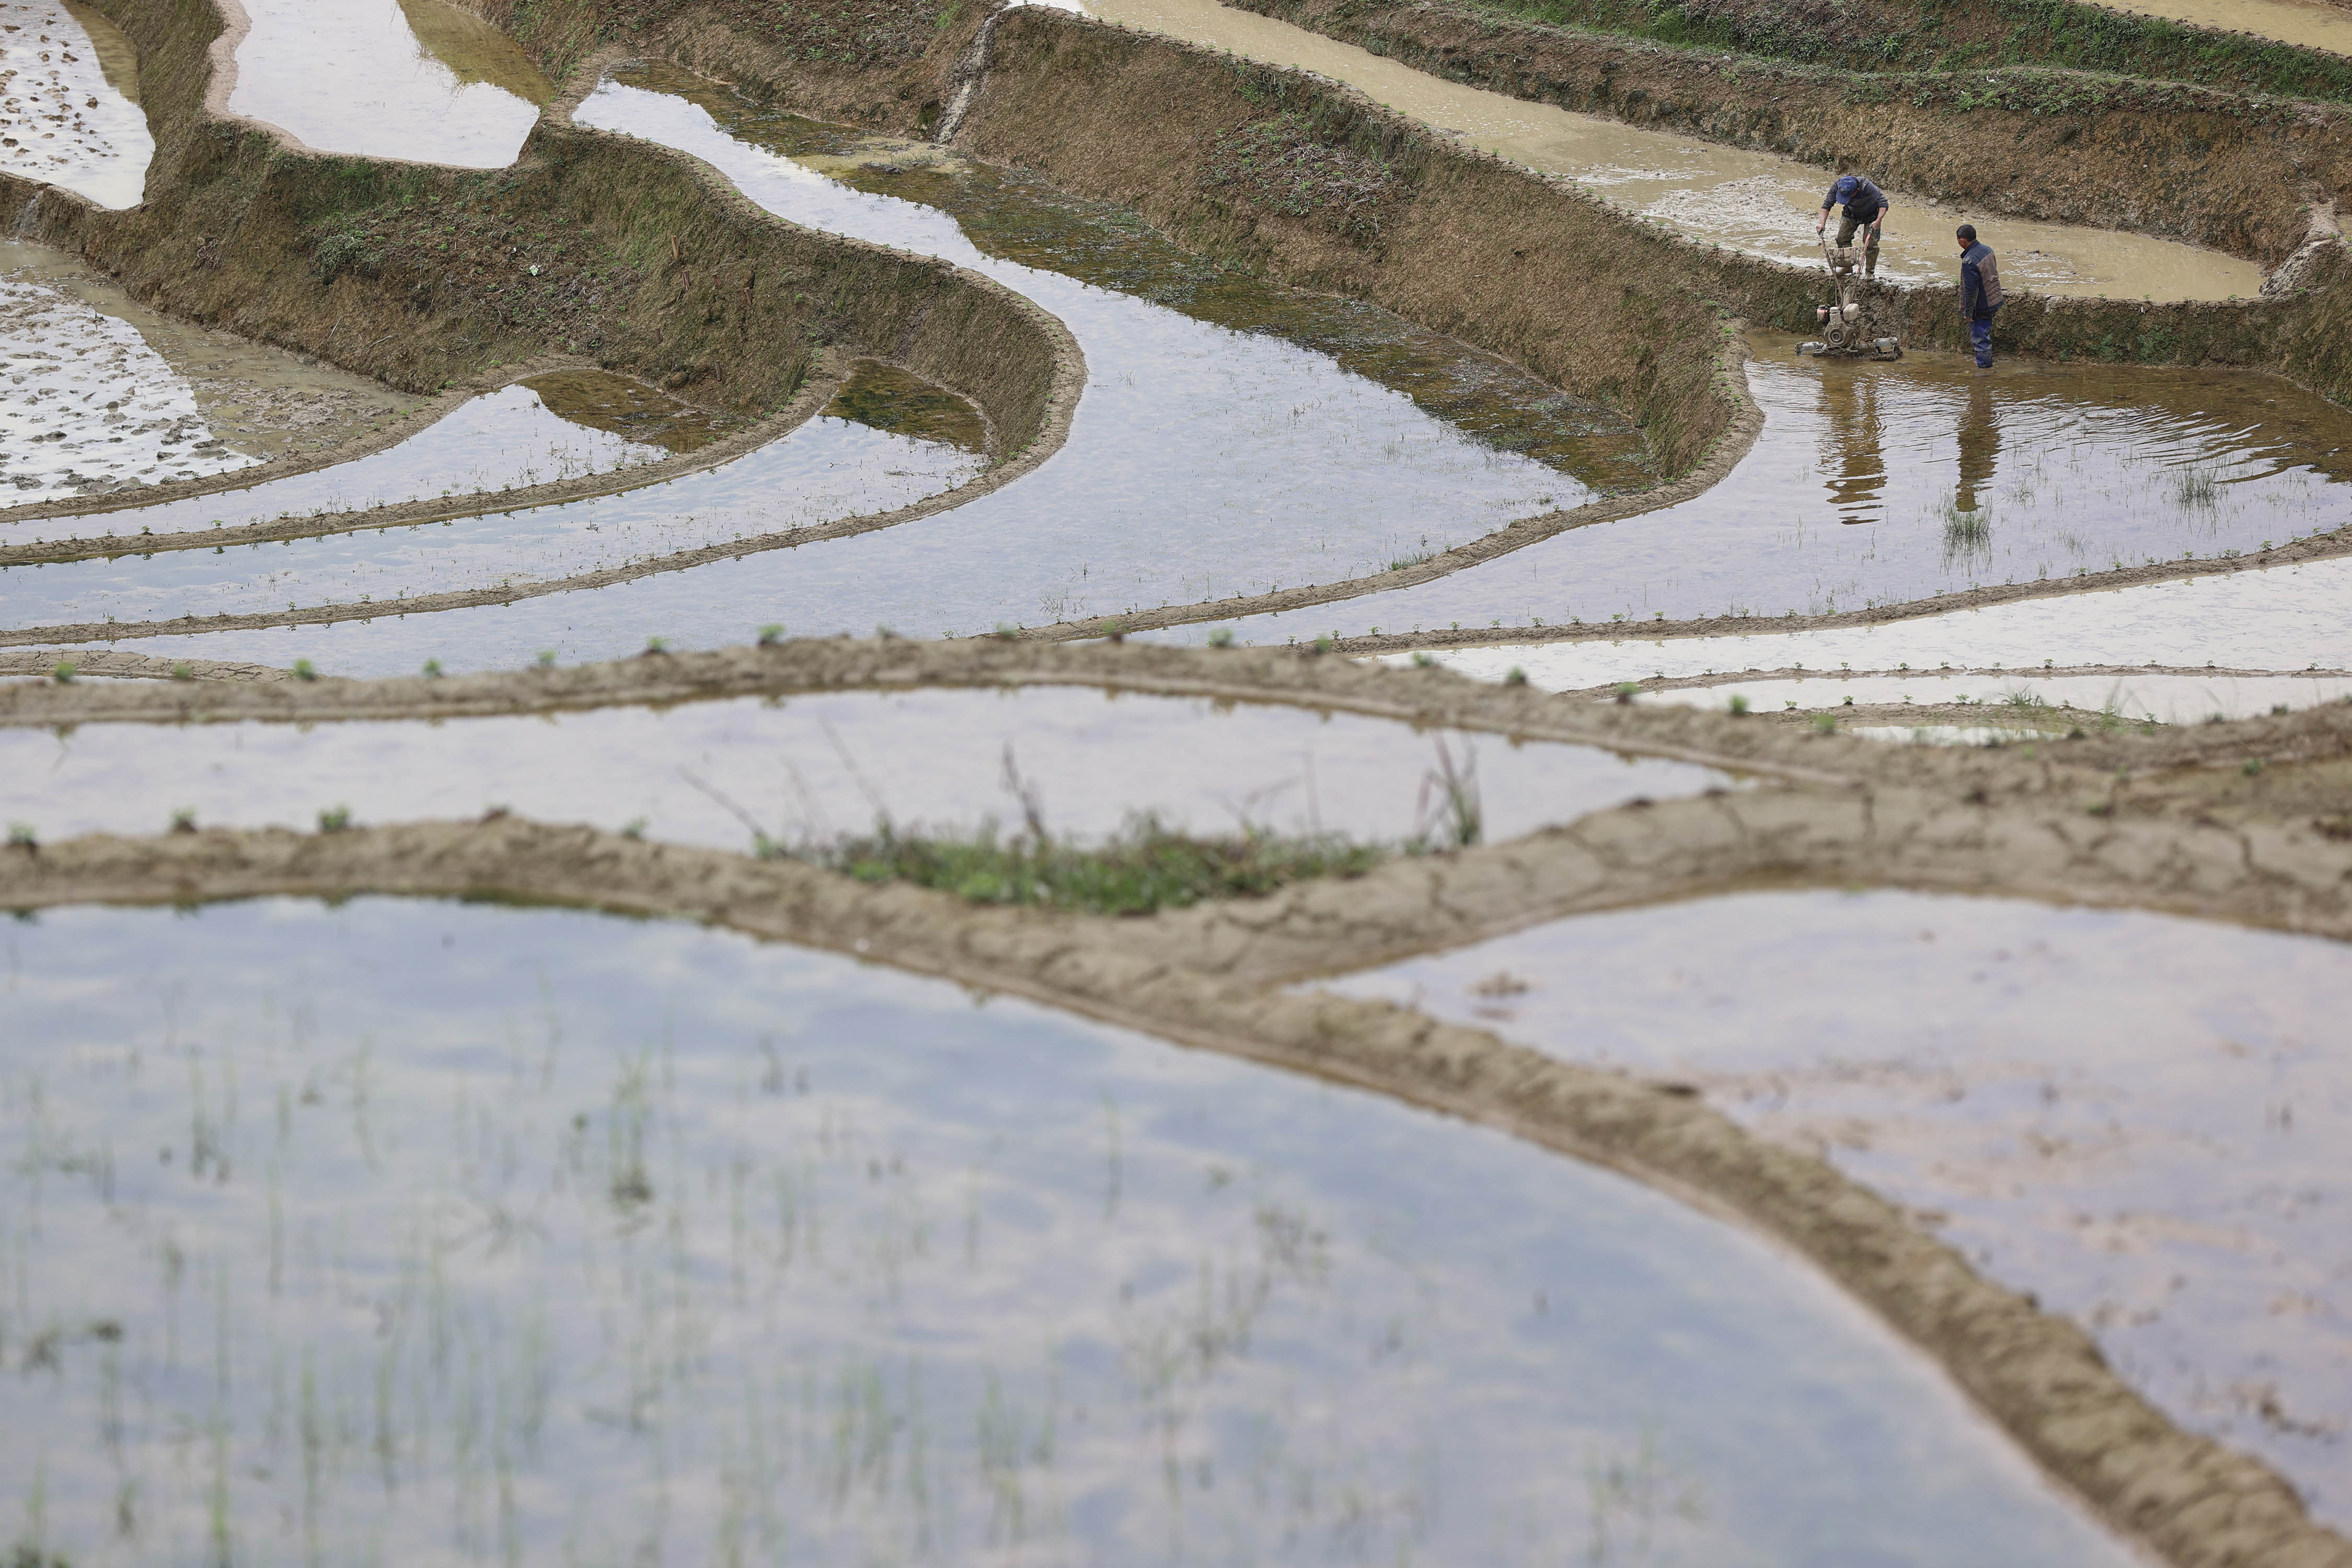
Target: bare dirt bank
(2039, 1375)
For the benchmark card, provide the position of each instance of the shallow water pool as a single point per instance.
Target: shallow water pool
(2138, 1117)
(817, 767)
(424, 1233)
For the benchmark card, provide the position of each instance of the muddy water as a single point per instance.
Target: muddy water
(1748, 201)
(2140, 1119)
(2308, 23)
(69, 111)
(415, 80)
(507, 440)
(824, 471)
(1874, 485)
(2027, 697)
(453, 1231)
(816, 767)
(68, 330)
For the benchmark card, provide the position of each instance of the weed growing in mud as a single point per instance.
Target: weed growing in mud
(183, 820)
(335, 819)
(305, 670)
(183, 672)
(64, 673)
(1450, 811)
(770, 635)
(21, 836)
(1825, 722)
(432, 669)
(1222, 638)
(547, 658)
(1514, 675)
(1423, 661)
(1738, 704)
(1627, 690)
(1143, 866)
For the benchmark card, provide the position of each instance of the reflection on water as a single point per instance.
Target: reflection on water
(824, 471)
(1019, 218)
(434, 1233)
(1748, 201)
(819, 766)
(2070, 469)
(369, 77)
(566, 426)
(69, 111)
(2140, 1119)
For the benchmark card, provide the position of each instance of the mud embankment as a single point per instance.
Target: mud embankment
(2204, 166)
(589, 244)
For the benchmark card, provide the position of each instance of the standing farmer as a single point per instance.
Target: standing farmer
(1979, 292)
(1865, 208)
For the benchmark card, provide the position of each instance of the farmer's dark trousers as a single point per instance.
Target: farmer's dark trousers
(1980, 339)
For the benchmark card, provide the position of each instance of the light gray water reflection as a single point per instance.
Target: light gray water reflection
(1878, 484)
(1203, 463)
(70, 112)
(507, 440)
(821, 472)
(435, 1234)
(423, 80)
(819, 766)
(2141, 1118)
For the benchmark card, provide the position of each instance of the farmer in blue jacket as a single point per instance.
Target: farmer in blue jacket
(1979, 292)
(1865, 208)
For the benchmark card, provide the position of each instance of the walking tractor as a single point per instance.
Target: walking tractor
(1848, 327)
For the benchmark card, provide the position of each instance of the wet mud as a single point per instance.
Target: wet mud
(69, 111)
(887, 398)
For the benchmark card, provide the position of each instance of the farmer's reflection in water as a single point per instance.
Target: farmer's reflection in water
(1980, 445)
(1855, 464)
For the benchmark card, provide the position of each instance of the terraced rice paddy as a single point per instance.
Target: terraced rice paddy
(1106, 783)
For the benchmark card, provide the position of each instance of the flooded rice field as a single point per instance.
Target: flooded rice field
(2279, 618)
(427, 1233)
(1750, 202)
(1878, 484)
(104, 394)
(70, 112)
(420, 80)
(583, 424)
(2138, 1118)
(1083, 762)
(388, 1230)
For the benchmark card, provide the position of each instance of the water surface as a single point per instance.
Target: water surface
(2139, 1117)
(70, 112)
(816, 767)
(425, 1234)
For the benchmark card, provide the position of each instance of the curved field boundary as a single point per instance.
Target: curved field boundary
(2193, 1503)
(814, 393)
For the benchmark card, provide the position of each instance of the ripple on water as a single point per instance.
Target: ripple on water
(431, 1230)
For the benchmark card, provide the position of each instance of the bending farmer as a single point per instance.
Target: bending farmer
(1865, 208)
(1979, 292)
